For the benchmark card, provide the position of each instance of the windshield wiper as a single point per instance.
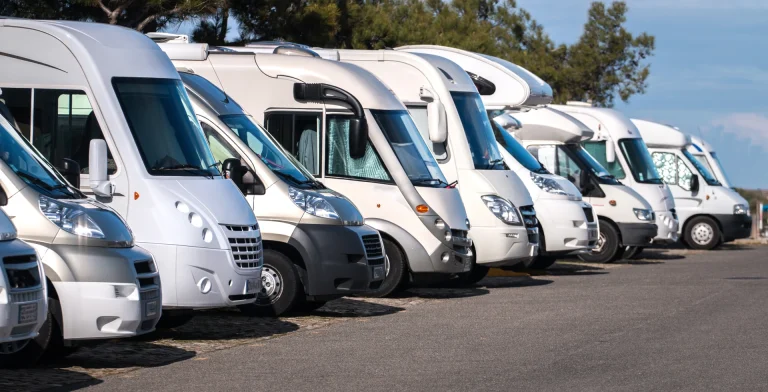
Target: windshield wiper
(286, 176)
(40, 182)
(186, 167)
(417, 181)
(495, 162)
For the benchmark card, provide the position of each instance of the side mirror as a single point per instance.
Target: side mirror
(437, 122)
(610, 151)
(97, 168)
(243, 177)
(252, 184)
(507, 122)
(71, 171)
(3, 198)
(694, 183)
(584, 183)
(358, 137)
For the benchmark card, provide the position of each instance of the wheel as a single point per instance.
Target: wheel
(542, 262)
(48, 345)
(395, 271)
(702, 232)
(281, 289)
(607, 247)
(632, 251)
(310, 306)
(174, 318)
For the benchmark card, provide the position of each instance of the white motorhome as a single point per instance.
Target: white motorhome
(316, 246)
(23, 299)
(618, 146)
(348, 130)
(567, 223)
(106, 105)
(710, 213)
(451, 119)
(708, 157)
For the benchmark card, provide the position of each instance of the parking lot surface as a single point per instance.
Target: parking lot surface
(672, 320)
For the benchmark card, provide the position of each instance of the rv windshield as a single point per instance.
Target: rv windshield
(722, 169)
(164, 127)
(30, 166)
(514, 148)
(639, 161)
(265, 147)
(477, 128)
(409, 147)
(588, 161)
(708, 177)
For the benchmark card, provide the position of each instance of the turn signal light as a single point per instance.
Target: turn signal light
(612, 203)
(135, 195)
(422, 209)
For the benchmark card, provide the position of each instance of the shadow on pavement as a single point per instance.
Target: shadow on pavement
(442, 292)
(570, 267)
(224, 324)
(496, 282)
(654, 256)
(124, 353)
(44, 380)
(351, 307)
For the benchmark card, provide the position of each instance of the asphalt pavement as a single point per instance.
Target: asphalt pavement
(672, 323)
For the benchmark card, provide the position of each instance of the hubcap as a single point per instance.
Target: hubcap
(600, 243)
(702, 233)
(271, 285)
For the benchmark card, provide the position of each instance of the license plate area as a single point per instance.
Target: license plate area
(27, 313)
(252, 286)
(378, 273)
(150, 309)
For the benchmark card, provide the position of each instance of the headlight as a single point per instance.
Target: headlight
(69, 218)
(312, 204)
(644, 215)
(549, 185)
(502, 208)
(740, 209)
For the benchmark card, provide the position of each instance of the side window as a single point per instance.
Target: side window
(558, 162)
(15, 104)
(340, 163)
(684, 175)
(672, 169)
(220, 149)
(545, 155)
(299, 134)
(419, 115)
(598, 151)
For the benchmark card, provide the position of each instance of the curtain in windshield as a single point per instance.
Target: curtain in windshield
(708, 177)
(639, 160)
(164, 127)
(477, 128)
(409, 147)
(340, 163)
(598, 151)
(514, 148)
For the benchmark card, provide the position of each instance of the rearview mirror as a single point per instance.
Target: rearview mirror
(358, 137)
(437, 122)
(3, 198)
(71, 171)
(610, 151)
(97, 168)
(694, 183)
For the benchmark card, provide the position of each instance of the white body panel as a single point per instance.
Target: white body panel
(86, 57)
(705, 152)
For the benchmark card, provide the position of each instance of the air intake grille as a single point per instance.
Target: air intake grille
(531, 223)
(29, 296)
(242, 228)
(588, 213)
(245, 242)
(373, 246)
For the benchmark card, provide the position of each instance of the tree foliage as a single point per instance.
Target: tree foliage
(605, 63)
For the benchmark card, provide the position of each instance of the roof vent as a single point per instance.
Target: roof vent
(295, 51)
(168, 38)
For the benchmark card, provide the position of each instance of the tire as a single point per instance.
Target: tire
(543, 262)
(47, 346)
(632, 251)
(281, 288)
(702, 232)
(608, 245)
(174, 318)
(396, 273)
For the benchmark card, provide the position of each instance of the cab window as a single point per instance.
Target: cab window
(672, 169)
(299, 134)
(338, 161)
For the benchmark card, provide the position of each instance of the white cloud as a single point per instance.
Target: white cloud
(700, 4)
(750, 126)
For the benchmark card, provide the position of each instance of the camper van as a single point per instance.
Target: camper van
(708, 157)
(316, 246)
(351, 133)
(618, 146)
(106, 106)
(710, 213)
(23, 299)
(567, 223)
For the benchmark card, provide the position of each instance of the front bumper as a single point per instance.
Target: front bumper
(637, 234)
(338, 261)
(566, 227)
(668, 227)
(23, 309)
(499, 246)
(735, 226)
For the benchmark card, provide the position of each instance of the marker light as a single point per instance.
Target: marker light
(422, 208)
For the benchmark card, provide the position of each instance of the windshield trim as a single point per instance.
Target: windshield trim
(712, 181)
(634, 170)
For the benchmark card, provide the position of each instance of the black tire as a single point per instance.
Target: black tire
(702, 232)
(611, 247)
(543, 262)
(281, 289)
(396, 275)
(632, 251)
(175, 318)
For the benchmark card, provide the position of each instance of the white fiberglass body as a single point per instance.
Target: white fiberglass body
(98, 85)
(708, 157)
(567, 221)
(696, 191)
(394, 183)
(619, 147)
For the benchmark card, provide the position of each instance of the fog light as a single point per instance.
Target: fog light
(204, 285)
(446, 257)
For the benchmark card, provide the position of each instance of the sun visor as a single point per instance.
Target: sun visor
(661, 135)
(550, 124)
(538, 92)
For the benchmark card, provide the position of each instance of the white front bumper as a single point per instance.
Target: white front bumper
(500, 246)
(566, 227)
(668, 227)
(15, 326)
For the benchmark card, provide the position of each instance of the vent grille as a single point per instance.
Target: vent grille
(22, 279)
(588, 213)
(531, 223)
(147, 295)
(242, 228)
(373, 246)
(144, 267)
(29, 296)
(19, 259)
(461, 241)
(246, 246)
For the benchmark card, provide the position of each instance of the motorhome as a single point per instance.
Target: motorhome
(98, 284)
(316, 246)
(567, 223)
(450, 118)
(351, 133)
(708, 157)
(618, 146)
(23, 299)
(106, 106)
(710, 213)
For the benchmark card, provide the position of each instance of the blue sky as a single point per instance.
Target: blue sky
(709, 74)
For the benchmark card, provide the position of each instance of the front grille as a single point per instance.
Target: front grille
(28, 296)
(588, 213)
(23, 330)
(461, 241)
(147, 295)
(246, 246)
(242, 228)
(144, 267)
(373, 246)
(240, 297)
(19, 259)
(531, 223)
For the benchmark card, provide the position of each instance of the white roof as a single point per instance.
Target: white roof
(545, 123)
(661, 135)
(606, 123)
(701, 144)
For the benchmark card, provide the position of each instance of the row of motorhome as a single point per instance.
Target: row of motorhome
(155, 178)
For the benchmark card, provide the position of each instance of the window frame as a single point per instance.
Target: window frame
(320, 138)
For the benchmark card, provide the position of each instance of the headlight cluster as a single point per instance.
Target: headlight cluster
(740, 209)
(548, 185)
(503, 209)
(7, 235)
(644, 215)
(69, 218)
(312, 204)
